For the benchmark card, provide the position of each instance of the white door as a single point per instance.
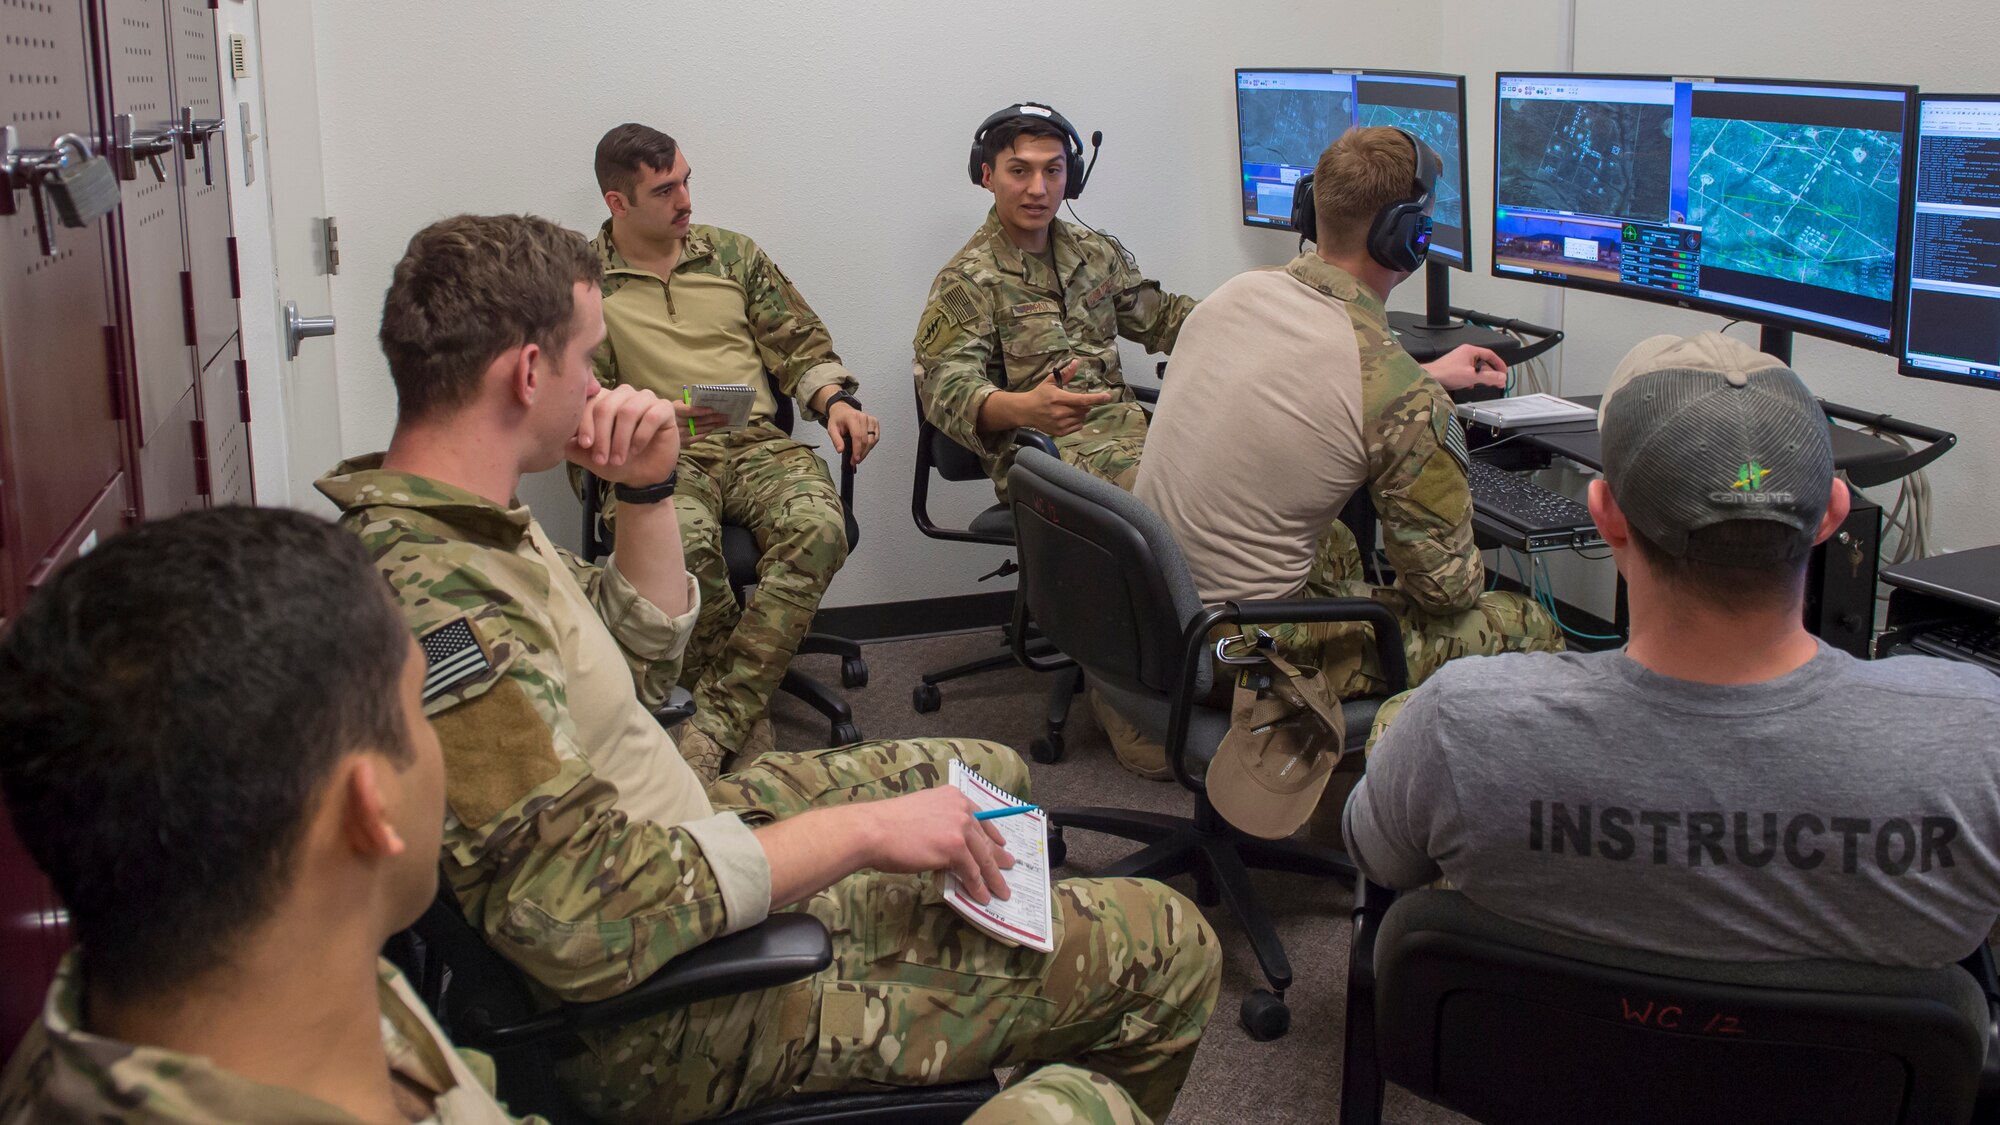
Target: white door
(296, 192)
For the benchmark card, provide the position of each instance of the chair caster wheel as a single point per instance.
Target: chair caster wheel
(1058, 847)
(926, 698)
(853, 672)
(1046, 749)
(1265, 1015)
(845, 734)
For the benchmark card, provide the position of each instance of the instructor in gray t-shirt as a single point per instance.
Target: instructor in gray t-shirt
(1726, 786)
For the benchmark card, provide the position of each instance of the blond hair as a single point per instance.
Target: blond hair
(1360, 173)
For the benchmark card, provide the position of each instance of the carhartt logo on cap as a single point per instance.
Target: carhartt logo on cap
(1751, 477)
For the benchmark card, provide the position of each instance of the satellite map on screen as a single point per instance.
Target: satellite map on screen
(1594, 158)
(1292, 126)
(1811, 204)
(1438, 129)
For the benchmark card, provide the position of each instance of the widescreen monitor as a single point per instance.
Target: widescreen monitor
(1771, 201)
(1286, 118)
(1953, 303)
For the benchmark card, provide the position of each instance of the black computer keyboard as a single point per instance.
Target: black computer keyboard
(1514, 499)
(1975, 642)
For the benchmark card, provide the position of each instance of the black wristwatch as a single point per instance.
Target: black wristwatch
(647, 494)
(840, 396)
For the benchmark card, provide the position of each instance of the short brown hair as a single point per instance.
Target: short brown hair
(1360, 173)
(467, 289)
(621, 151)
(1732, 589)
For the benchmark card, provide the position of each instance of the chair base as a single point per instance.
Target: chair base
(1220, 857)
(853, 672)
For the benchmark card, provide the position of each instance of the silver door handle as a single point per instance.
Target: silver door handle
(299, 328)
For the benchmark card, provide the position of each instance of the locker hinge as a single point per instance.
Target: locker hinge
(200, 435)
(187, 307)
(114, 363)
(235, 272)
(243, 388)
(329, 237)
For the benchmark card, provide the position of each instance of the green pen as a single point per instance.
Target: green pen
(687, 396)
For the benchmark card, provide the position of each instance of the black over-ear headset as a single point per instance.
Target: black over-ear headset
(1073, 164)
(1400, 236)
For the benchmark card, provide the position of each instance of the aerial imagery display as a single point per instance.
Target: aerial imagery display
(1811, 204)
(1292, 126)
(1593, 158)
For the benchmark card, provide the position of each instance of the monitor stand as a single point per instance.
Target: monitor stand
(1433, 332)
(1775, 342)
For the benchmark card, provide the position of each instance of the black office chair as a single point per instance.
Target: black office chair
(741, 554)
(1506, 1023)
(951, 461)
(482, 1002)
(1104, 579)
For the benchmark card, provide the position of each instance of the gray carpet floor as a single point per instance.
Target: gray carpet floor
(1235, 1079)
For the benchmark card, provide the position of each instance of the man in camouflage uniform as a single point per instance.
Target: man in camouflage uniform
(688, 305)
(230, 895)
(1323, 401)
(198, 1010)
(579, 841)
(1022, 325)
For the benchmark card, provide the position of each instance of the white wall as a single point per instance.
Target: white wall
(836, 135)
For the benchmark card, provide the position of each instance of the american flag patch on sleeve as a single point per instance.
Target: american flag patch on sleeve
(1454, 443)
(453, 655)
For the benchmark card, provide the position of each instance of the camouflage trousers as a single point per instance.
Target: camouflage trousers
(758, 478)
(1345, 651)
(1061, 1095)
(1109, 444)
(915, 994)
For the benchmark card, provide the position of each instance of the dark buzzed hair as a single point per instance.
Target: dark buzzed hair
(1002, 137)
(171, 706)
(469, 288)
(624, 149)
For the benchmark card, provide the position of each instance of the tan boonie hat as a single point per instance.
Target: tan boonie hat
(1280, 751)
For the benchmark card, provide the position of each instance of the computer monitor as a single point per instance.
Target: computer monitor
(1953, 302)
(1772, 201)
(1286, 118)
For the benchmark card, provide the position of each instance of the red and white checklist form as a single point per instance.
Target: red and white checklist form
(1023, 918)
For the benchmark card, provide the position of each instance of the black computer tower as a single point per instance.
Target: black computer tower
(1840, 582)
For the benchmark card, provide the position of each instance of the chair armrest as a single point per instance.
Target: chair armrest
(1036, 439)
(1147, 396)
(679, 707)
(779, 950)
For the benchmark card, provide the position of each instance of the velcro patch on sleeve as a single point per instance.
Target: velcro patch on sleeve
(497, 750)
(453, 655)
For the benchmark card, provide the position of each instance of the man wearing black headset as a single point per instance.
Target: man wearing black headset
(1022, 325)
(1322, 402)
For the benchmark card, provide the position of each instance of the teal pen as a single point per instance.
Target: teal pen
(994, 814)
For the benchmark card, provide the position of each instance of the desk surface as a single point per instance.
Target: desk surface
(1579, 442)
(1967, 577)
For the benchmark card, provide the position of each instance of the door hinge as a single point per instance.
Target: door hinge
(329, 237)
(200, 434)
(243, 388)
(114, 363)
(187, 307)
(235, 272)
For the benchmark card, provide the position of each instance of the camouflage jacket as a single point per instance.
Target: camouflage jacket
(998, 319)
(1416, 454)
(577, 838)
(63, 1073)
(760, 324)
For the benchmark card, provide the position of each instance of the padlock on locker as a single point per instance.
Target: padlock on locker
(83, 186)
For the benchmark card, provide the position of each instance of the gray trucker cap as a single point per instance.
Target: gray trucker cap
(1705, 429)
